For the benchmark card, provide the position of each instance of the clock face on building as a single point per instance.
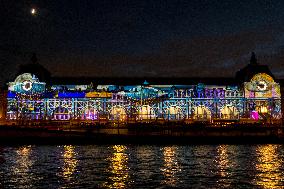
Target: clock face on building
(27, 85)
(261, 85)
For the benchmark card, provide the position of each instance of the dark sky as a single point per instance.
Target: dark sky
(205, 38)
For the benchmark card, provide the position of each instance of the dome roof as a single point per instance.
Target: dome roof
(246, 73)
(35, 69)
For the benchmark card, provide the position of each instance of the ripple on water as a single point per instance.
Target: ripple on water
(142, 166)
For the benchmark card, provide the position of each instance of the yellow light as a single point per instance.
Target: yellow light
(70, 161)
(263, 109)
(171, 166)
(268, 166)
(118, 169)
(22, 166)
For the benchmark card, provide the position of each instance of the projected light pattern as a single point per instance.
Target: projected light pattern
(255, 100)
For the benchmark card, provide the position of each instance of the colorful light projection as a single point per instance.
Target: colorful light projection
(118, 113)
(174, 113)
(229, 112)
(27, 84)
(68, 94)
(101, 94)
(254, 115)
(27, 98)
(62, 113)
(146, 112)
(262, 85)
(90, 114)
(201, 113)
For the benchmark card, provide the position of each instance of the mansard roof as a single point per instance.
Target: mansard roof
(245, 74)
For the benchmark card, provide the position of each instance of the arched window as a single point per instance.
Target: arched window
(201, 113)
(146, 112)
(118, 113)
(61, 113)
(229, 112)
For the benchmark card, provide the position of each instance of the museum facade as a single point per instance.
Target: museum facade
(252, 96)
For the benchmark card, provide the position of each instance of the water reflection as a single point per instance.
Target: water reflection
(171, 166)
(223, 160)
(22, 166)
(118, 169)
(70, 162)
(223, 165)
(268, 166)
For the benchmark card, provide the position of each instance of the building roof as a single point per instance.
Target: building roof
(245, 74)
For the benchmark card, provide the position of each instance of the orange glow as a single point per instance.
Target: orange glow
(118, 168)
(70, 161)
(268, 166)
(171, 166)
(23, 165)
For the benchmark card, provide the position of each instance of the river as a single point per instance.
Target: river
(142, 166)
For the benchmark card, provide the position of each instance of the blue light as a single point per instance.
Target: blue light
(11, 94)
(71, 94)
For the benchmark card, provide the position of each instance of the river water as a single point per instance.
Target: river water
(142, 166)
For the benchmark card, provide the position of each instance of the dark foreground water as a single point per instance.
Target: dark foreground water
(146, 166)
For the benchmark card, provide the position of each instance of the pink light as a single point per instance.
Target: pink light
(254, 115)
(90, 115)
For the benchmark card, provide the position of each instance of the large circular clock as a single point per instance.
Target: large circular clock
(27, 85)
(261, 85)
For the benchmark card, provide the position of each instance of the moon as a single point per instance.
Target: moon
(33, 11)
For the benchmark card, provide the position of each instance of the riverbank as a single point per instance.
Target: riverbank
(141, 135)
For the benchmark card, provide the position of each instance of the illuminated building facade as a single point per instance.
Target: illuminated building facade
(253, 95)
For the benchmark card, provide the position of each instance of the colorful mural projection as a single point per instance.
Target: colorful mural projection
(202, 113)
(229, 112)
(265, 93)
(29, 99)
(90, 114)
(146, 112)
(254, 115)
(26, 84)
(118, 113)
(262, 86)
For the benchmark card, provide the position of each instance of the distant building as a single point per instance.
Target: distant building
(252, 96)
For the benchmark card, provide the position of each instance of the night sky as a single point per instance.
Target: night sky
(205, 38)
